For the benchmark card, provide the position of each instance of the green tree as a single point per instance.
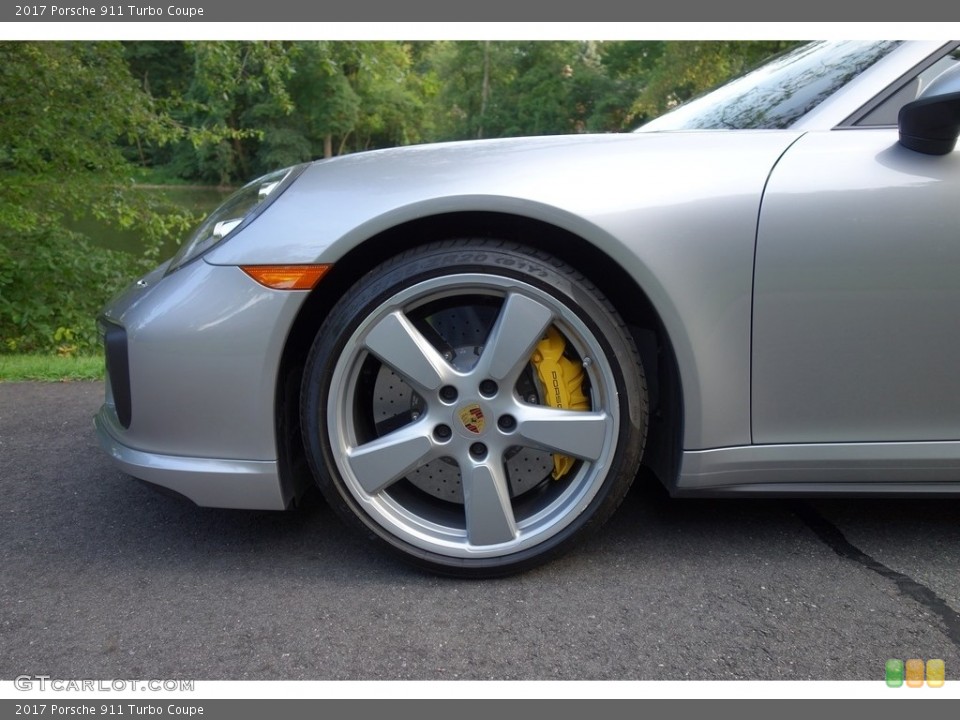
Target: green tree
(360, 95)
(616, 74)
(163, 70)
(499, 89)
(391, 94)
(233, 87)
(65, 108)
(537, 98)
(327, 105)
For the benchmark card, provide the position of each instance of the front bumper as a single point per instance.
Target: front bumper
(241, 484)
(201, 352)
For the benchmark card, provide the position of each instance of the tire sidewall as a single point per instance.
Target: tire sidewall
(506, 260)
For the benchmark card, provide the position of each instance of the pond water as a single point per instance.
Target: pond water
(197, 200)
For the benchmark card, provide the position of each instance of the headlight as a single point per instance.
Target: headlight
(238, 211)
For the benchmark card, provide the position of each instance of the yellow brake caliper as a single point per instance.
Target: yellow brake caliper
(561, 380)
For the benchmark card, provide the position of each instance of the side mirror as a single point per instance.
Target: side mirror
(931, 123)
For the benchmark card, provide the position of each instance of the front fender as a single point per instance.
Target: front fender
(678, 211)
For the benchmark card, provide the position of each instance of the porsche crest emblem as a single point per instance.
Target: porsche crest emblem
(472, 418)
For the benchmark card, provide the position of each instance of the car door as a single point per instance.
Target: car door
(856, 317)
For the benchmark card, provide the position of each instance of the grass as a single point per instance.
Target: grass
(50, 368)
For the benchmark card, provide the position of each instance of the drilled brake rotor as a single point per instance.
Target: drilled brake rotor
(463, 329)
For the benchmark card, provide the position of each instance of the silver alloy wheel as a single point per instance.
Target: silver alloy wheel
(471, 413)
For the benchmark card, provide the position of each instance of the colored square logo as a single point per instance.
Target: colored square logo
(936, 673)
(914, 673)
(894, 673)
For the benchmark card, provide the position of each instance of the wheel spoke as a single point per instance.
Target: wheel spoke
(401, 346)
(385, 460)
(570, 432)
(519, 327)
(487, 503)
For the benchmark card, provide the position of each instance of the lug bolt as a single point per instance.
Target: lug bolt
(478, 451)
(507, 423)
(448, 393)
(442, 432)
(488, 388)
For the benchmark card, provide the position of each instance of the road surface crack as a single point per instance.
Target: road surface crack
(832, 536)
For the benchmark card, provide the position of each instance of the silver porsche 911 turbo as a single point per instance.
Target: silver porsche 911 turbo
(473, 347)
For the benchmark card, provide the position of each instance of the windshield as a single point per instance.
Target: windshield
(779, 93)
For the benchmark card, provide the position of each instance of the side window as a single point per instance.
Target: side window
(885, 114)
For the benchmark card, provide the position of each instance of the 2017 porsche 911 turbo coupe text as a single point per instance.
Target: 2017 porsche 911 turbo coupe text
(472, 347)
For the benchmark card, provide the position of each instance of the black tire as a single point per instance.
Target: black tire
(427, 425)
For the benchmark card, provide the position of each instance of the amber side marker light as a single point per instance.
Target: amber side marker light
(287, 277)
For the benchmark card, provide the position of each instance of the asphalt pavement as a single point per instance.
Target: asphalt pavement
(103, 577)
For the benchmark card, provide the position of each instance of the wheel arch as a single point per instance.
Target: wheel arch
(665, 433)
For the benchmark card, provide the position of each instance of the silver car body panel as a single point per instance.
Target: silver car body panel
(206, 393)
(864, 467)
(679, 212)
(676, 210)
(856, 294)
(209, 482)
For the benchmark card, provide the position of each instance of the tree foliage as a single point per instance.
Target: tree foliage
(66, 112)
(247, 107)
(232, 88)
(64, 109)
(78, 120)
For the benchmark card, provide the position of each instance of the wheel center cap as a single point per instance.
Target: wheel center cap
(472, 419)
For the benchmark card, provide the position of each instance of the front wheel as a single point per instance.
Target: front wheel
(477, 406)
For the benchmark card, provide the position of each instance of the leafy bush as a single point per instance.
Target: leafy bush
(51, 289)
(66, 108)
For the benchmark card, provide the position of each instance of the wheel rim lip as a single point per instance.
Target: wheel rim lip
(424, 532)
